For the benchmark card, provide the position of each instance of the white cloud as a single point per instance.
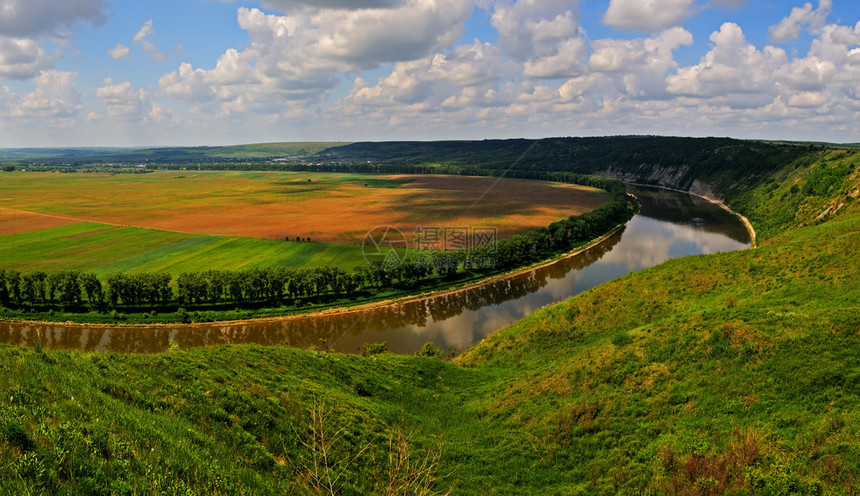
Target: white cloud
(808, 99)
(466, 76)
(789, 27)
(639, 66)
(22, 58)
(647, 15)
(734, 71)
(294, 60)
(287, 5)
(144, 31)
(27, 25)
(565, 62)
(119, 52)
(123, 101)
(54, 101)
(534, 28)
(544, 34)
(351, 40)
(140, 38)
(127, 104)
(807, 74)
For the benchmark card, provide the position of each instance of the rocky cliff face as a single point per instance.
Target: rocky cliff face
(668, 177)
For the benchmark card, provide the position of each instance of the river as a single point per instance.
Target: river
(669, 225)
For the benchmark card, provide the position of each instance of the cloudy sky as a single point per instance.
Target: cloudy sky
(194, 72)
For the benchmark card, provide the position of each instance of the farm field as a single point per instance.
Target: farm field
(105, 248)
(194, 221)
(335, 208)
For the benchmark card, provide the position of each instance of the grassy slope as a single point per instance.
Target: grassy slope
(734, 373)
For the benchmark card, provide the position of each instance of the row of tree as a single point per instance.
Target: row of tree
(277, 285)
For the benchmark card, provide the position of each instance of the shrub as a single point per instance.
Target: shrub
(368, 349)
(429, 349)
(17, 436)
(621, 338)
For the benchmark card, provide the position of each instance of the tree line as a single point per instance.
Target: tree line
(71, 289)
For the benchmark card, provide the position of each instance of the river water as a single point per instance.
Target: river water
(669, 225)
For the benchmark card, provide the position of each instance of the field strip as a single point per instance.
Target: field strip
(91, 233)
(113, 224)
(53, 216)
(14, 221)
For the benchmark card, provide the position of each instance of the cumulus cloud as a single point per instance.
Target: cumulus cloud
(468, 76)
(26, 25)
(128, 104)
(789, 27)
(647, 15)
(140, 38)
(54, 101)
(639, 66)
(299, 57)
(123, 101)
(119, 52)
(285, 5)
(544, 34)
(22, 58)
(734, 71)
(29, 18)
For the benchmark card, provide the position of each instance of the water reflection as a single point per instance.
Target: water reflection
(670, 225)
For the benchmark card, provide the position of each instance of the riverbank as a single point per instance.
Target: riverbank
(341, 309)
(749, 227)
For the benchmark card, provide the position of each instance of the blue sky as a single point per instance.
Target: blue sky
(209, 72)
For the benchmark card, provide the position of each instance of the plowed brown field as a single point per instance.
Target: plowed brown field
(326, 207)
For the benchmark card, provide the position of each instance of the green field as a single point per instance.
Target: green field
(149, 250)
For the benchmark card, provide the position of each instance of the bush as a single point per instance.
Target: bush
(17, 437)
(369, 349)
(183, 316)
(621, 338)
(429, 349)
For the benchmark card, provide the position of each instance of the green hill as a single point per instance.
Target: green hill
(736, 373)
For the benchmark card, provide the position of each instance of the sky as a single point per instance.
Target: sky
(218, 72)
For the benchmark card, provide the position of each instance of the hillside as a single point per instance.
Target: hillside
(735, 373)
